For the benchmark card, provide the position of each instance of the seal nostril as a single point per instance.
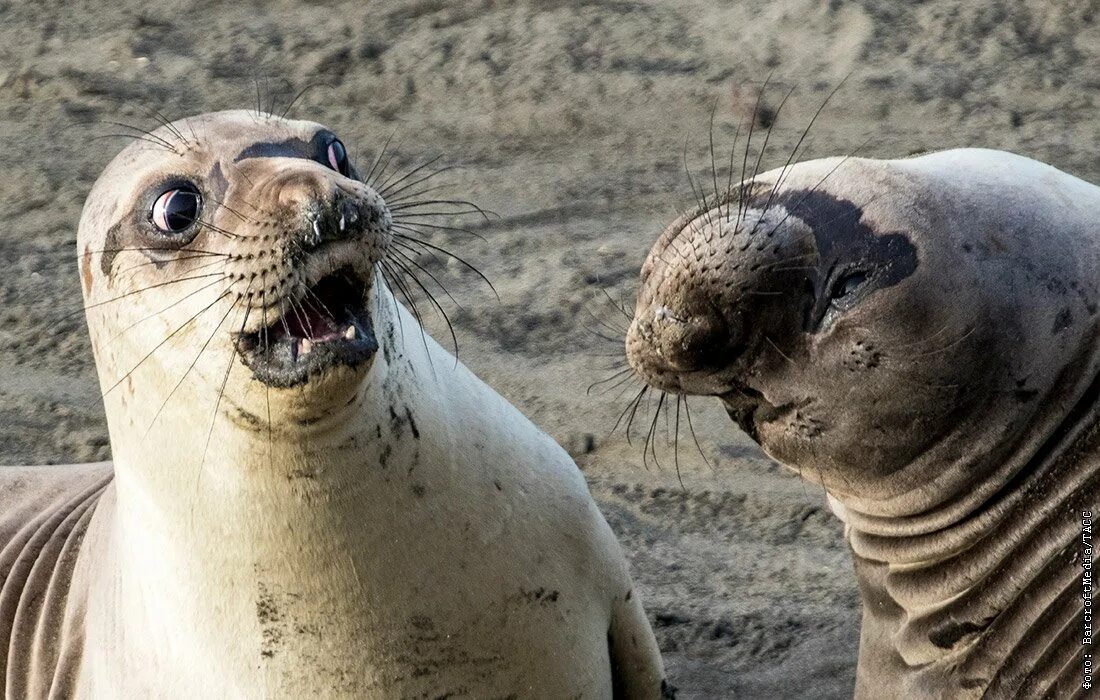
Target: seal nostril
(686, 342)
(349, 212)
(339, 219)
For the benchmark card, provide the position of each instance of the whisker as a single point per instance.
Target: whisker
(676, 442)
(414, 226)
(713, 167)
(135, 137)
(418, 193)
(691, 428)
(622, 415)
(160, 344)
(386, 190)
(605, 380)
(410, 261)
(221, 392)
(633, 413)
(763, 150)
(234, 212)
(145, 135)
(473, 208)
(299, 96)
(112, 339)
(302, 320)
(167, 124)
(367, 179)
(937, 351)
(618, 305)
(650, 439)
(741, 203)
(794, 151)
(162, 262)
(140, 291)
(396, 279)
(194, 362)
(729, 173)
(431, 298)
(419, 242)
(267, 388)
(621, 332)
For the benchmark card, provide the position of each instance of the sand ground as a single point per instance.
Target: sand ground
(571, 120)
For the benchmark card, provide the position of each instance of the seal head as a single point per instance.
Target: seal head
(921, 337)
(259, 222)
(857, 323)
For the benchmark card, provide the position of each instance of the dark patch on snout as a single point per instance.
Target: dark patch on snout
(315, 149)
(289, 148)
(845, 243)
(217, 183)
(112, 244)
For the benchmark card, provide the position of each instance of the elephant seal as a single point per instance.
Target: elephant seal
(920, 337)
(308, 497)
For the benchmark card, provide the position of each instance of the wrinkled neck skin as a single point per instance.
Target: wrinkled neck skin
(265, 524)
(979, 596)
(973, 473)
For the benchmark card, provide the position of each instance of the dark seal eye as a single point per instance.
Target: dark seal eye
(175, 210)
(338, 157)
(847, 285)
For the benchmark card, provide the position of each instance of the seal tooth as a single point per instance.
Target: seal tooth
(350, 333)
(341, 223)
(305, 345)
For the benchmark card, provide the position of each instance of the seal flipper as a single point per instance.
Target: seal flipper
(636, 667)
(44, 512)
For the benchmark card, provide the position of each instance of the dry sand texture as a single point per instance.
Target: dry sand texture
(571, 119)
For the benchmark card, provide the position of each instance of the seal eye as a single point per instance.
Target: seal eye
(338, 157)
(847, 285)
(175, 210)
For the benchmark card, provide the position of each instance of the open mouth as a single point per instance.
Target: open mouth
(326, 326)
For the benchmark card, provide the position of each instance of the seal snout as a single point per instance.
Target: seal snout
(333, 230)
(322, 206)
(665, 345)
(342, 217)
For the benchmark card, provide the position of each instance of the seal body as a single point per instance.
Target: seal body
(919, 336)
(309, 497)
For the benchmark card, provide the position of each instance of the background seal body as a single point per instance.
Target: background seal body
(920, 337)
(309, 497)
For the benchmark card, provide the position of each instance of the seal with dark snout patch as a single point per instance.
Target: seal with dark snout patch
(921, 337)
(308, 498)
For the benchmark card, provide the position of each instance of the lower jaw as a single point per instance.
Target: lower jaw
(281, 367)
